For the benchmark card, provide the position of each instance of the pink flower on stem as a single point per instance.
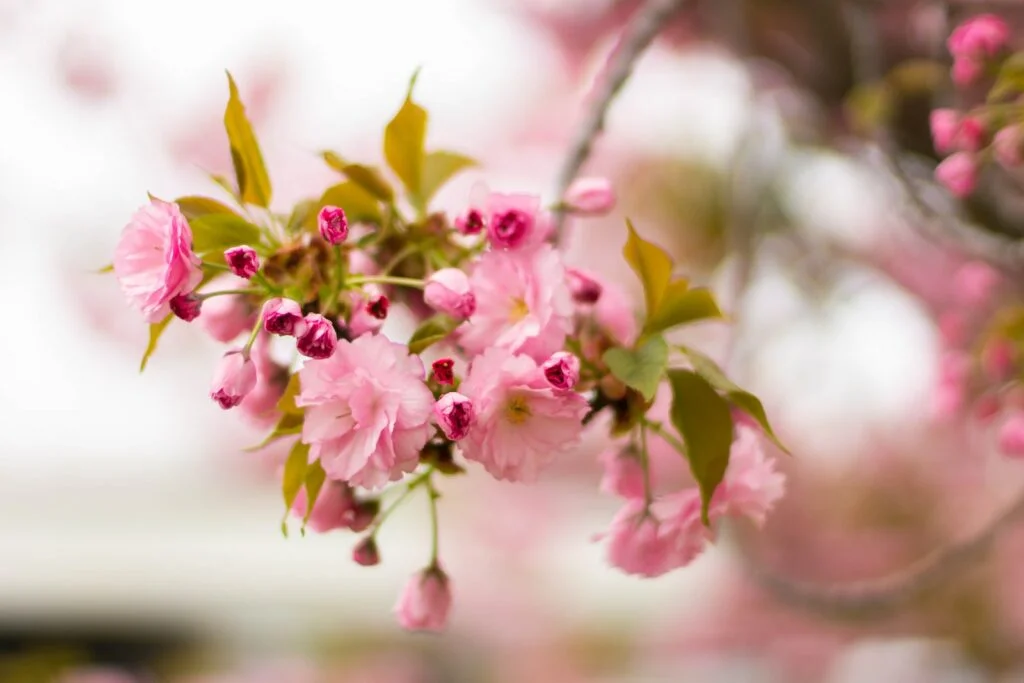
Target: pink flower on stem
(243, 261)
(444, 371)
(425, 601)
(590, 197)
(562, 370)
(153, 260)
(234, 379)
(966, 71)
(283, 317)
(1011, 435)
(752, 485)
(333, 224)
(584, 289)
(1008, 146)
(472, 222)
(522, 303)
(454, 415)
(318, 338)
(971, 135)
(186, 306)
(447, 291)
(652, 543)
(979, 38)
(334, 507)
(367, 411)
(623, 473)
(522, 423)
(944, 125)
(514, 222)
(958, 174)
(362, 320)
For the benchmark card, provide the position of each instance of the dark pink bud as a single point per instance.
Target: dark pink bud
(971, 135)
(510, 228)
(363, 514)
(585, 290)
(444, 371)
(319, 339)
(944, 124)
(1008, 146)
(333, 224)
(378, 306)
(186, 306)
(365, 553)
(562, 370)
(284, 317)
(234, 379)
(243, 261)
(454, 415)
(470, 223)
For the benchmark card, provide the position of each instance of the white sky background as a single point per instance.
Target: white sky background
(118, 475)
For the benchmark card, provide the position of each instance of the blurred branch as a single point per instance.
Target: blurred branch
(881, 596)
(638, 35)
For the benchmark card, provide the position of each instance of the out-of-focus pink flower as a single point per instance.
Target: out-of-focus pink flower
(365, 513)
(1008, 145)
(186, 306)
(979, 38)
(623, 473)
(226, 317)
(944, 124)
(590, 196)
(952, 327)
(334, 507)
(444, 371)
(958, 174)
(366, 553)
(153, 260)
(362, 320)
(284, 317)
(522, 422)
(986, 408)
(1011, 435)
(669, 537)
(950, 393)
(333, 224)
(975, 283)
(318, 338)
(243, 261)
(367, 411)
(425, 601)
(514, 221)
(522, 303)
(472, 222)
(752, 485)
(448, 291)
(615, 313)
(966, 71)
(234, 379)
(997, 359)
(454, 415)
(585, 289)
(971, 135)
(562, 370)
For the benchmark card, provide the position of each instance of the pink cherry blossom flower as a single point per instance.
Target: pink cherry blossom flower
(522, 422)
(284, 317)
(966, 71)
(362, 320)
(454, 415)
(234, 379)
(333, 224)
(979, 38)
(752, 485)
(522, 303)
(472, 222)
(367, 411)
(1011, 435)
(425, 601)
(334, 507)
(447, 291)
(154, 262)
(562, 370)
(225, 318)
(186, 306)
(944, 124)
(444, 371)
(378, 306)
(970, 137)
(590, 197)
(585, 289)
(318, 339)
(975, 283)
(514, 221)
(650, 544)
(243, 261)
(623, 473)
(958, 174)
(1008, 146)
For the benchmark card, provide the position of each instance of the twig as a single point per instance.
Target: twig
(645, 25)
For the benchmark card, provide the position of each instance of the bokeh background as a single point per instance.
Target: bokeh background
(138, 541)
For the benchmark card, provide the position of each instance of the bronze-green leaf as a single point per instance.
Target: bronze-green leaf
(155, 330)
(295, 468)
(360, 206)
(290, 424)
(109, 268)
(315, 477)
(194, 206)
(215, 232)
(742, 399)
(641, 368)
(703, 419)
(371, 180)
(681, 305)
(651, 264)
(1010, 80)
(286, 404)
(438, 168)
(303, 212)
(430, 332)
(253, 181)
(404, 140)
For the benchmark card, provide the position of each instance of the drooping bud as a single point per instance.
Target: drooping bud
(958, 174)
(454, 415)
(243, 261)
(378, 306)
(584, 289)
(944, 125)
(470, 223)
(284, 317)
(444, 371)
(366, 553)
(186, 306)
(318, 339)
(562, 370)
(425, 601)
(979, 38)
(447, 291)
(590, 197)
(333, 224)
(234, 379)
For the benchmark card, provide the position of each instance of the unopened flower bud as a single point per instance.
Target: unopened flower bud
(186, 306)
(425, 601)
(584, 289)
(454, 415)
(366, 553)
(979, 38)
(378, 306)
(590, 197)
(333, 224)
(447, 291)
(318, 339)
(1008, 146)
(444, 371)
(958, 174)
(470, 223)
(284, 317)
(243, 261)
(234, 379)
(562, 370)
(944, 125)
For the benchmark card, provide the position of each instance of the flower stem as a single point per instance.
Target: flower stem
(660, 431)
(433, 495)
(215, 266)
(387, 280)
(209, 295)
(339, 279)
(252, 337)
(645, 463)
(408, 488)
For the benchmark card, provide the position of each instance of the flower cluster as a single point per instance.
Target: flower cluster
(512, 356)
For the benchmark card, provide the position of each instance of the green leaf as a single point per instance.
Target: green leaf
(869, 106)
(404, 140)
(651, 264)
(290, 424)
(681, 305)
(438, 169)
(360, 206)
(194, 207)
(303, 213)
(315, 477)
(703, 419)
(640, 368)
(430, 332)
(216, 232)
(367, 177)
(742, 399)
(1010, 80)
(294, 477)
(155, 330)
(253, 182)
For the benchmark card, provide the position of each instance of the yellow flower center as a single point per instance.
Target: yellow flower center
(517, 411)
(518, 311)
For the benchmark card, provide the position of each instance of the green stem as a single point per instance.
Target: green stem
(209, 295)
(261, 279)
(660, 431)
(404, 253)
(645, 463)
(409, 487)
(252, 337)
(387, 280)
(433, 496)
(215, 266)
(339, 279)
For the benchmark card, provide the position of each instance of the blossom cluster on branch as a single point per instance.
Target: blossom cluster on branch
(514, 354)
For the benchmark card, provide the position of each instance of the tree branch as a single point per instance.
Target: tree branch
(638, 35)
